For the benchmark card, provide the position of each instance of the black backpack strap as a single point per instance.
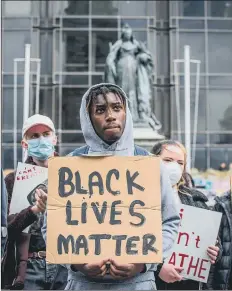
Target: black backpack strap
(141, 151)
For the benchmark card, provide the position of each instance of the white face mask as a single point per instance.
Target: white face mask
(174, 171)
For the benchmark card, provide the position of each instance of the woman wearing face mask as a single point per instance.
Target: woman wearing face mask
(27, 269)
(174, 156)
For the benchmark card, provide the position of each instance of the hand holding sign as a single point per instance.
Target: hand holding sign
(41, 201)
(170, 274)
(95, 270)
(212, 252)
(125, 271)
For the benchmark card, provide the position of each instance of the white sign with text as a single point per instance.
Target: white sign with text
(198, 230)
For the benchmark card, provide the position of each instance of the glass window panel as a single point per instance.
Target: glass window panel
(201, 110)
(124, 8)
(105, 23)
(230, 158)
(16, 23)
(75, 22)
(17, 8)
(135, 23)
(76, 50)
(48, 103)
(141, 36)
(71, 101)
(75, 7)
(219, 24)
(220, 110)
(218, 156)
(196, 41)
(219, 8)
(73, 138)
(201, 159)
(221, 138)
(9, 79)
(100, 46)
(220, 81)
(192, 79)
(220, 60)
(12, 51)
(96, 79)
(191, 24)
(8, 156)
(8, 105)
(191, 8)
(9, 137)
(201, 138)
(72, 79)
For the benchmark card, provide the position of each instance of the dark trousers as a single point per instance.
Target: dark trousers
(182, 285)
(42, 276)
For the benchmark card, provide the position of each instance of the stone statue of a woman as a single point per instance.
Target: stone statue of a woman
(130, 66)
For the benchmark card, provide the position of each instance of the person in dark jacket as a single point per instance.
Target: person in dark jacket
(24, 265)
(220, 277)
(174, 155)
(3, 214)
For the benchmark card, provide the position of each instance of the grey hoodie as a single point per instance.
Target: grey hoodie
(170, 216)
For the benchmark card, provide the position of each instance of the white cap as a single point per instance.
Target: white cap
(35, 120)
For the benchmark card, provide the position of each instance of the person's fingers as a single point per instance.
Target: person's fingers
(179, 269)
(212, 252)
(36, 196)
(122, 267)
(41, 205)
(38, 192)
(177, 276)
(101, 274)
(38, 206)
(115, 277)
(103, 268)
(42, 192)
(118, 273)
(213, 248)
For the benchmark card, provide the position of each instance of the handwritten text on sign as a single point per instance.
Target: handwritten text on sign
(198, 230)
(106, 207)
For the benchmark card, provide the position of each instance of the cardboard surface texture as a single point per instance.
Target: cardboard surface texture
(198, 230)
(125, 210)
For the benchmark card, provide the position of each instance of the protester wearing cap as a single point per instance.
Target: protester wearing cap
(39, 140)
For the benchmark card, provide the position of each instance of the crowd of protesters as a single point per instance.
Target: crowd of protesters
(107, 127)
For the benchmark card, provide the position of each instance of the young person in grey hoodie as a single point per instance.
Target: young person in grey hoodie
(107, 127)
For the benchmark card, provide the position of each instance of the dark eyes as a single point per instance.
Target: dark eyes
(171, 160)
(36, 135)
(115, 108)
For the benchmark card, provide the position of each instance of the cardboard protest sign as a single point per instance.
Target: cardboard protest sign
(27, 179)
(198, 230)
(104, 207)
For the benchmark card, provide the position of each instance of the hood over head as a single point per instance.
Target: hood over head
(122, 147)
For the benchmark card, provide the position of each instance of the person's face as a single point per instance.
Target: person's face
(223, 165)
(127, 32)
(172, 153)
(108, 117)
(38, 131)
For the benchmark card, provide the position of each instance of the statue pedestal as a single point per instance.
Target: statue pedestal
(146, 137)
